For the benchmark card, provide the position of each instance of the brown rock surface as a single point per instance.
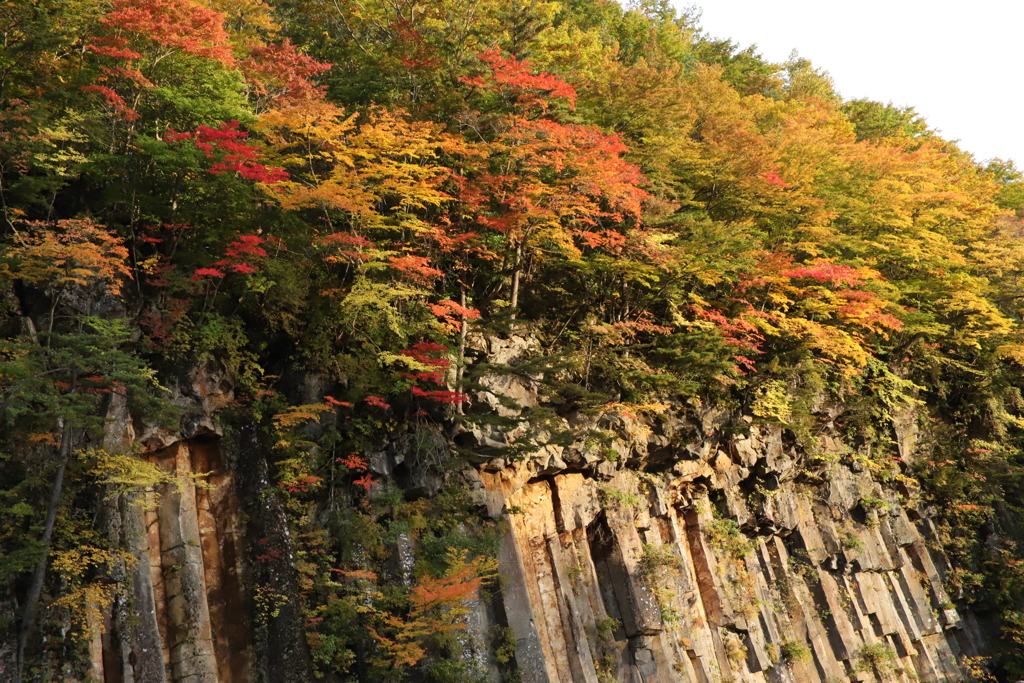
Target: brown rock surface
(779, 574)
(762, 573)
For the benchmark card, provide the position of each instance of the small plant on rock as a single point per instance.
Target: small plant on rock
(604, 660)
(735, 650)
(656, 565)
(795, 651)
(616, 499)
(851, 542)
(878, 657)
(869, 503)
(725, 535)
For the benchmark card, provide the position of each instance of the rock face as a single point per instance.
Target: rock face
(663, 551)
(673, 552)
(185, 619)
(705, 574)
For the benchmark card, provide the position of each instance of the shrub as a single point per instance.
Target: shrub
(878, 656)
(851, 542)
(725, 535)
(795, 651)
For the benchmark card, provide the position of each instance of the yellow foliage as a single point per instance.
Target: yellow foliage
(60, 157)
(75, 251)
(833, 344)
(1012, 352)
(87, 601)
(297, 415)
(976, 317)
(128, 475)
(635, 407)
(248, 20)
(339, 163)
(772, 402)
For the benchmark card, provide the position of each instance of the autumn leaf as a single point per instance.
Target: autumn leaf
(73, 251)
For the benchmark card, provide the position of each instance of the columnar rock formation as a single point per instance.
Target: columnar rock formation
(796, 582)
(671, 551)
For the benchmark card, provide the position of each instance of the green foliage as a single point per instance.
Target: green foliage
(604, 662)
(851, 541)
(795, 651)
(873, 120)
(504, 647)
(445, 523)
(869, 504)
(655, 568)
(1011, 184)
(448, 671)
(879, 657)
(615, 499)
(726, 536)
(656, 563)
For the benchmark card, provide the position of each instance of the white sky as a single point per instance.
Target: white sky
(959, 64)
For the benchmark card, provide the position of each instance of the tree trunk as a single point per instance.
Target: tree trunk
(35, 589)
(517, 274)
(463, 333)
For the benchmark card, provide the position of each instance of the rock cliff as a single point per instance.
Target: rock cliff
(724, 568)
(704, 549)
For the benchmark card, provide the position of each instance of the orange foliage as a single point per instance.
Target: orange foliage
(452, 313)
(73, 251)
(297, 415)
(516, 82)
(415, 267)
(280, 76)
(176, 24)
(544, 182)
(437, 606)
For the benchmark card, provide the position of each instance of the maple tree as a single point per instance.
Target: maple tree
(436, 604)
(383, 168)
(227, 144)
(280, 76)
(141, 35)
(73, 252)
(546, 185)
(172, 24)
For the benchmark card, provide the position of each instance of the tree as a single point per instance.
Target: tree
(436, 607)
(544, 187)
(52, 383)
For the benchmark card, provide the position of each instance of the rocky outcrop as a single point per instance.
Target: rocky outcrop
(645, 548)
(669, 551)
(724, 572)
(184, 619)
